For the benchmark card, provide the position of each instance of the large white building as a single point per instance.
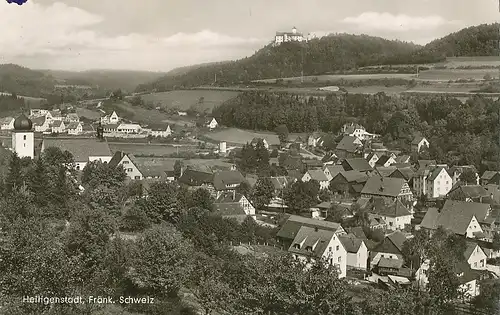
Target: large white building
(23, 137)
(283, 37)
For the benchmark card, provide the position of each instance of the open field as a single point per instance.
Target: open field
(479, 61)
(151, 117)
(336, 77)
(240, 137)
(456, 74)
(145, 149)
(186, 98)
(374, 89)
(90, 114)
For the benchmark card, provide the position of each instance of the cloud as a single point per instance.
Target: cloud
(396, 23)
(70, 37)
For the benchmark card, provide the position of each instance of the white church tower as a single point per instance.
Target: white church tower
(23, 137)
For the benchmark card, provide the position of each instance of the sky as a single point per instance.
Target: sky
(159, 35)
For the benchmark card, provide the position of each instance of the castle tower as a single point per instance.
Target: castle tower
(294, 30)
(23, 137)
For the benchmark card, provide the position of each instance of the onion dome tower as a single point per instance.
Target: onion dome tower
(23, 137)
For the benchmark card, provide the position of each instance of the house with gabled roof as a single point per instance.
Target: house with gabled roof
(57, 126)
(71, 117)
(373, 157)
(350, 182)
(490, 177)
(388, 188)
(280, 183)
(391, 247)
(357, 164)
(419, 143)
(138, 168)
(475, 256)
(402, 159)
(288, 231)
(311, 244)
(385, 171)
(225, 181)
(230, 204)
(41, 124)
(317, 175)
(396, 214)
(198, 176)
(471, 193)
(74, 128)
(385, 161)
(348, 147)
(460, 217)
(432, 181)
(357, 252)
(405, 173)
(332, 170)
(7, 123)
(457, 170)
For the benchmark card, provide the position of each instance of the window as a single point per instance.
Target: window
(340, 259)
(24, 137)
(137, 177)
(125, 162)
(337, 247)
(129, 170)
(390, 223)
(475, 264)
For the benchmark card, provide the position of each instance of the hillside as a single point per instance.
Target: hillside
(333, 53)
(186, 69)
(105, 79)
(319, 56)
(24, 81)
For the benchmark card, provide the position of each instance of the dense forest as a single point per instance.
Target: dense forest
(24, 81)
(330, 54)
(459, 133)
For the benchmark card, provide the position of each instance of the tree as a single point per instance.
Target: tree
(414, 249)
(325, 195)
(244, 188)
(282, 132)
(134, 219)
(177, 169)
(360, 217)
(300, 196)
(162, 204)
(163, 261)
(201, 198)
(469, 177)
(38, 183)
(336, 213)
(443, 281)
(96, 173)
(136, 101)
(496, 241)
(262, 193)
(14, 178)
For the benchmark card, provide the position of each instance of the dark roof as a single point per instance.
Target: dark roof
(392, 243)
(23, 123)
(354, 176)
(385, 171)
(435, 172)
(347, 144)
(73, 125)
(383, 159)
(317, 175)
(224, 178)
(291, 227)
(398, 239)
(115, 160)
(196, 177)
(383, 186)
(81, 149)
(56, 123)
(426, 163)
(39, 121)
(469, 250)
(417, 140)
(358, 232)
(351, 243)
(455, 215)
(280, 182)
(358, 164)
(314, 241)
(334, 169)
(111, 126)
(487, 175)
(402, 159)
(470, 191)
(385, 262)
(406, 172)
(153, 167)
(389, 209)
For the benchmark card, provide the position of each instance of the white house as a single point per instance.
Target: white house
(74, 128)
(317, 175)
(57, 126)
(454, 216)
(283, 37)
(37, 112)
(394, 213)
(114, 119)
(312, 244)
(233, 197)
(212, 124)
(475, 256)
(161, 133)
(332, 170)
(419, 143)
(180, 113)
(385, 161)
(41, 124)
(7, 123)
(432, 181)
(373, 157)
(71, 117)
(357, 252)
(358, 131)
(255, 141)
(129, 128)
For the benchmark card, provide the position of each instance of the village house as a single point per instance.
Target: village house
(71, 117)
(211, 123)
(395, 214)
(357, 252)
(475, 256)
(233, 205)
(198, 176)
(161, 133)
(385, 161)
(460, 217)
(313, 139)
(111, 119)
(110, 128)
(373, 157)
(317, 175)
(74, 128)
(471, 193)
(311, 244)
(57, 126)
(349, 147)
(490, 177)
(385, 171)
(357, 164)
(226, 181)
(358, 131)
(402, 159)
(419, 143)
(350, 182)
(332, 170)
(432, 181)
(83, 150)
(7, 123)
(391, 189)
(255, 141)
(41, 124)
(129, 128)
(291, 227)
(280, 183)
(139, 168)
(35, 112)
(391, 248)
(405, 173)
(456, 171)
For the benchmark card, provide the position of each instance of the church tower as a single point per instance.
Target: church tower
(23, 137)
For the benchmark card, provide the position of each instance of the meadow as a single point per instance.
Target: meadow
(456, 74)
(347, 77)
(147, 149)
(240, 137)
(184, 99)
(479, 61)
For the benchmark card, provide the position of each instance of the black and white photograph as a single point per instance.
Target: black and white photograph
(250, 157)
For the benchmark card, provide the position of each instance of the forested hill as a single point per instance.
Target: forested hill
(333, 53)
(319, 56)
(24, 81)
(478, 40)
